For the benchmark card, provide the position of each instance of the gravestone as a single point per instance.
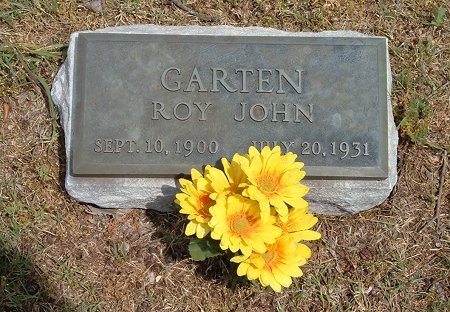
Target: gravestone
(141, 105)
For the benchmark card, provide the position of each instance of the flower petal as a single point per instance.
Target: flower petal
(306, 235)
(252, 273)
(242, 269)
(284, 279)
(191, 228)
(202, 230)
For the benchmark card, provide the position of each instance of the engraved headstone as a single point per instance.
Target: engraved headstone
(141, 105)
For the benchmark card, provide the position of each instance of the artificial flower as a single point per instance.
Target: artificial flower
(195, 201)
(253, 206)
(226, 182)
(273, 180)
(298, 224)
(237, 223)
(277, 265)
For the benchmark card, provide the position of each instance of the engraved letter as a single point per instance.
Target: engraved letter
(244, 78)
(98, 146)
(261, 80)
(309, 116)
(263, 143)
(130, 143)
(258, 109)
(119, 145)
(108, 146)
(282, 74)
(242, 112)
(221, 79)
(287, 145)
(275, 112)
(260, 144)
(176, 114)
(195, 78)
(202, 109)
(158, 107)
(164, 79)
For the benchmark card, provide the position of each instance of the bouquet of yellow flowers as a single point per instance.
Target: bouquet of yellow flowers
(254, 207)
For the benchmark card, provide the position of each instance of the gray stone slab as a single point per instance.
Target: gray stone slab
(349, 150)
(140, 111)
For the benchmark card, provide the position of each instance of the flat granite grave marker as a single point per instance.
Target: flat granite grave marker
(141, 105)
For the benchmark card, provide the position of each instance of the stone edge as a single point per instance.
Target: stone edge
(326, 197)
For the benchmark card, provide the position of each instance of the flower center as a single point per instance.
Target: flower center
(268, 257)
(205, 202)
(240, 225)
(283, 226)
(268, 183)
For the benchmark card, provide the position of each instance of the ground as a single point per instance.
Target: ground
(60, 255)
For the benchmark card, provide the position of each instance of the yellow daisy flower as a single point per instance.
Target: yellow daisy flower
(226, 182)
(237, 224)
(276, 266)
(298, 225)
(195, 201)
(273, 179)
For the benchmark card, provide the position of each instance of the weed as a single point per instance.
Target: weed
(438, 16)
(50, 6)
(120, 251)
(68, 273)
(90, 301)
(385, 10)
(132, 7)
(438, 306)
(151, 299)
(44, 173)
(426, 52)
(58, 217)
(88, 307)
(413, 123)
(40, 214)
(91, 291)
(281, 307)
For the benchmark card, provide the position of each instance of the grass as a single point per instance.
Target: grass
(22, 63)
(57, 255)
(119, 251)
(14, 11)
(18, 288)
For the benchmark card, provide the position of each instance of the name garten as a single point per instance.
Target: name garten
(241, 80)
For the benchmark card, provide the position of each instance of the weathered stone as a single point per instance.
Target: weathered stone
(328, 196)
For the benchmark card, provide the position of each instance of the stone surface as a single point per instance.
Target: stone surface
(162, 104)
(325, 196)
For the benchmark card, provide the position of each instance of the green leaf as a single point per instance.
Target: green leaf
(47, 53)
(438, 16)
(200, 249)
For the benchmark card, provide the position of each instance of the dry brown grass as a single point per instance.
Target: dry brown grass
(60, 255)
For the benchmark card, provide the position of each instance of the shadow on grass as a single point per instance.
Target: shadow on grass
(170, 231)
(20, 289)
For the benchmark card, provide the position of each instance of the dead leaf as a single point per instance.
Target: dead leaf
(6, 109)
